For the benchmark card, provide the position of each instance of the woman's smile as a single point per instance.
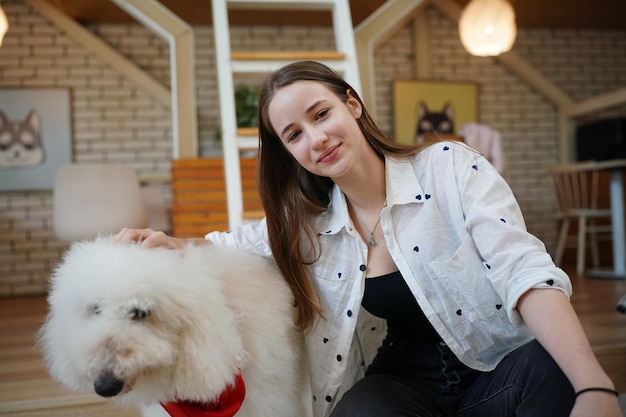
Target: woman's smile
(329, 155)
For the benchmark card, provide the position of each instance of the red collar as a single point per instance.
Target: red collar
(226, 405)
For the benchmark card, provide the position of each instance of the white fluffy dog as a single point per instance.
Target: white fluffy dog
(149, 326)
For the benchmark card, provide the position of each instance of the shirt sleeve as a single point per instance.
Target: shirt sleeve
(251, 237)
(516, 260)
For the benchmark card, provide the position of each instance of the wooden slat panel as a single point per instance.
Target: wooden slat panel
(200, 195)
(254, 214)
(182, 184)
(199, 202)
(195, 231)
(200, 207)
(197, 162)
(197, 174)
(247, 131)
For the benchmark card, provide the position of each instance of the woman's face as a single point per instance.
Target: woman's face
(317, 128)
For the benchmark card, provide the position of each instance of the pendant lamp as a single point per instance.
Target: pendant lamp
(4, 25)
(487, 27)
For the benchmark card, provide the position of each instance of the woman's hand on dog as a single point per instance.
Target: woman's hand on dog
(148, 238)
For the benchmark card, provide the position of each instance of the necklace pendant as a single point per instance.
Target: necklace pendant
(371, 241)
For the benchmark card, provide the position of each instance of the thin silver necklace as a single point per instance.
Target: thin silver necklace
(371, 241)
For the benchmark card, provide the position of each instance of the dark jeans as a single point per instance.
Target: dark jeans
(413, 380)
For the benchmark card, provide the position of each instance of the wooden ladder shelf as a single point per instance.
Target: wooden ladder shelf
(231, 64)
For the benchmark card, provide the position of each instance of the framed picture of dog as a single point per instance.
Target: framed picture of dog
(421, 107)
(35, 137)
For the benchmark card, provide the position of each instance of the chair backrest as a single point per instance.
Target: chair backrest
(93, 199)
(576, 186)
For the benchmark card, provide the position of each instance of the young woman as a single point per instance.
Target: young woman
(418, 286)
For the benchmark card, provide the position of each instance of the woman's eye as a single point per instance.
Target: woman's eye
(322, 114)
(293, 136)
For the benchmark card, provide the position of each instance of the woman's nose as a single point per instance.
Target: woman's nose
(318, 137)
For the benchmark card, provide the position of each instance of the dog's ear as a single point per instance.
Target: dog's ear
(211, 348)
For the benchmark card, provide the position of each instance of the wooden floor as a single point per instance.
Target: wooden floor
(27, 390)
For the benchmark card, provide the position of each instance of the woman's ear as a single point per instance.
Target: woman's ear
(354, 104)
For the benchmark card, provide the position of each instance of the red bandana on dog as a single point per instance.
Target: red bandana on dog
(226, 405)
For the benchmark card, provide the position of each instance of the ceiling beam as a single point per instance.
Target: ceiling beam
(596, 103)
(422, 61)
(109, 55)
(180, 38)
(374, 30)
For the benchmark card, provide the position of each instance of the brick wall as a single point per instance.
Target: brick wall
(115, 121)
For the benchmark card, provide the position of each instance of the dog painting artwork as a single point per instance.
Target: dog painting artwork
(201, 331)
(434, 122)
(428, 107)
(20, 142)
(35, 137)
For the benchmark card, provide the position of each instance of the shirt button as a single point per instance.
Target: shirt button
(362, 267)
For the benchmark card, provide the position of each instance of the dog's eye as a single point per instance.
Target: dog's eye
(139, 313)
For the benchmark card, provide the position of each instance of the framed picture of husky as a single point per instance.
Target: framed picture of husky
(35, 137)
(421, 107)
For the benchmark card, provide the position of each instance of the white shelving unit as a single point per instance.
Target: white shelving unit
(229, 65)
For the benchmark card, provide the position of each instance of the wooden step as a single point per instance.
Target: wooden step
(287, 56)
(267, 62)
(281, 4)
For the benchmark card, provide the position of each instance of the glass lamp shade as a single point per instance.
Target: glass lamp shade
(487, 27)
(4, 25)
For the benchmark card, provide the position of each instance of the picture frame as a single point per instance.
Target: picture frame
(35, 137)
(409, 95)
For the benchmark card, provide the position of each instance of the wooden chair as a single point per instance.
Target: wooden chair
(576, 186)
(199, 202)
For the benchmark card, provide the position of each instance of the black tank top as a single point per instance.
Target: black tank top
(390, 298)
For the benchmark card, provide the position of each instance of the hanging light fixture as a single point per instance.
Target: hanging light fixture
(4, 24)
(487, 27)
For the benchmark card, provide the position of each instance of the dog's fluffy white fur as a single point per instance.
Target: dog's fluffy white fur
(174, 325)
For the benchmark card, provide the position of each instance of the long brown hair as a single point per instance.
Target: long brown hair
(291, 195)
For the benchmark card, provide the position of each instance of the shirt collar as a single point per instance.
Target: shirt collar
(402, 184)
(336, 217)
(402, 188)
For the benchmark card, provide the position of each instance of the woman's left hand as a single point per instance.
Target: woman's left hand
(149, 238)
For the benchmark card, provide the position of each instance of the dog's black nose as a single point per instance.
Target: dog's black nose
(107, 385)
